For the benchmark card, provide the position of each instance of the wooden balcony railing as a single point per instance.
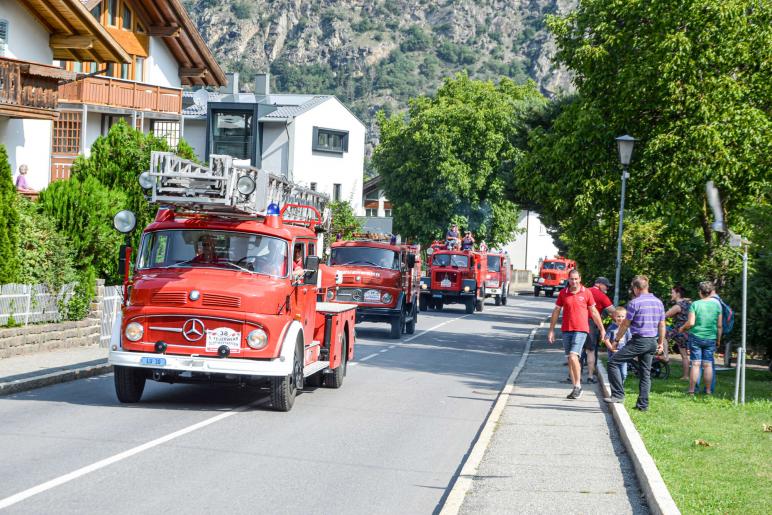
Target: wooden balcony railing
(29, 90)
(122, 93)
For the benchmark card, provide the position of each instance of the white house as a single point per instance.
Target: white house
(311, 139)
(530, 245)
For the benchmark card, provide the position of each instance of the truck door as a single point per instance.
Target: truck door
(305, 296)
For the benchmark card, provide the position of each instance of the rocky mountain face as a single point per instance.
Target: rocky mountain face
(376, 54)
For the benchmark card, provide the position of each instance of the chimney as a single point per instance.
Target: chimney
(232, 87)
(262, 84)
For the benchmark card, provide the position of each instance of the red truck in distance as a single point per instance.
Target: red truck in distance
(381, 278)
(498, 277)
(553, 276)
(216, 296)
(454, 276)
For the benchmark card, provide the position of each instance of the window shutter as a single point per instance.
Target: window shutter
(3, 36)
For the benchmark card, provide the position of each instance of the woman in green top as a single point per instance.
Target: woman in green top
(704, 326)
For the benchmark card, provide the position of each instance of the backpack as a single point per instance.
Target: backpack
(727, 316)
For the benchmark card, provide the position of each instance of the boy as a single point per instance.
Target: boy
(611, 333)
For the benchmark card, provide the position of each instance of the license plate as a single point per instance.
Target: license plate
(445, 283)
(216, 338)
(156, 362)
(372, 296)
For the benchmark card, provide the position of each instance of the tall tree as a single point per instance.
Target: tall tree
(9, 221)
(453, 154)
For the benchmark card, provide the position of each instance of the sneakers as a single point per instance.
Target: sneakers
(575, 393)
(613, 400)
(592, 380)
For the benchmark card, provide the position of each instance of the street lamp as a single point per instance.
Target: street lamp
(625, 145)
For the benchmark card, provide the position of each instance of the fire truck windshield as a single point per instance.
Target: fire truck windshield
(494, 264)
(368, 256)
(214, 249)
(553, 265)
(456, 260)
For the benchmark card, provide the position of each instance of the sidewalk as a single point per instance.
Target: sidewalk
(553, 455)
(20, 373)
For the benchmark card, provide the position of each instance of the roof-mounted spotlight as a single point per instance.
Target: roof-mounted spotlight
(245, 185)
(124, 221)
(145, 180)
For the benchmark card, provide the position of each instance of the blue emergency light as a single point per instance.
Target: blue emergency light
(273, 209)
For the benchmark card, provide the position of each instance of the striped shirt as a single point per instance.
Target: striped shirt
(645, 312)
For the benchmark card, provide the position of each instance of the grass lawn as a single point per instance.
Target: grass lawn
(733, 474)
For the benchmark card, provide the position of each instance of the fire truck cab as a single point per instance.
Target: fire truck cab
(453, 276)
(553, 275)
(498, 277)
(225, 287)
(381, 277)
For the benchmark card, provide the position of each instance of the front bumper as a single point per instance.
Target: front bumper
(276, 367)
(377, 314)
(449, 297)
(489, 292)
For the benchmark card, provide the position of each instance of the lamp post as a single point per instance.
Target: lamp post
(625, 146)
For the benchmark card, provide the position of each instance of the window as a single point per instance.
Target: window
(108, 120)
(125, 69)
(112, 12)
(383, 258)
(109, 70)
(387, 212)
(313, 186)
(168, 130)
(3, 37)
(97, 11)
(126, 17)
(336, 192)
(232, 133)
(371, 211)
(139, 69)
(329, 140)
(66, 134)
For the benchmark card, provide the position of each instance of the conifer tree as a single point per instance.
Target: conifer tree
(9, 221)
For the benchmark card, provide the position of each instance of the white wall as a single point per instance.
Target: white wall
(275, 148)
(326, 168)
(162, 67)
(540, 243)
(194, 132)
(93, 127)
(28, 142)
(27, 39)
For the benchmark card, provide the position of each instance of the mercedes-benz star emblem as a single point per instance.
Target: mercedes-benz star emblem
(193, 330)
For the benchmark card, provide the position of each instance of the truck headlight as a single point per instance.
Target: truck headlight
(541, 280)
(134, 331)
(466, 289)
(330, 294)
(423, 286)
(257, 339)
(386, 298)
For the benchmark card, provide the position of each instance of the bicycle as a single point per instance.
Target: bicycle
(660, 368)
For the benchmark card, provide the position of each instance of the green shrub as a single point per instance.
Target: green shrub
(243, 9)
(80, 302)
(343, 221)
(9, 221)
(416, 40)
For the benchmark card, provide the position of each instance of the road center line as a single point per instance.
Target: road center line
(26, 494)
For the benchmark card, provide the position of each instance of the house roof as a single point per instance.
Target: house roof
(288, 105)
(75, 33)
(169, 20)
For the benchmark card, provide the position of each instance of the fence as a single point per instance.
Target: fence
(29, 304)
(111, 306)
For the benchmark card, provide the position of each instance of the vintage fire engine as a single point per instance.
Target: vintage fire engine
(497, 278)
(553, 275)
(381, 277)
(225, 285)
(454, 276)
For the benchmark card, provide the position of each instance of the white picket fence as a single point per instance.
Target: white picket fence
(111, 306)
(29, 304)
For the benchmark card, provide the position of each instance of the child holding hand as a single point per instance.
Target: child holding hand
(611, 334)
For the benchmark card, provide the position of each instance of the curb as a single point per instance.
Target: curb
(654, 488)
(62, 376)
(463, 482)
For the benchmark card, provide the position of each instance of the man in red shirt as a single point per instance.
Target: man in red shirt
(602, 304)
(579, 306)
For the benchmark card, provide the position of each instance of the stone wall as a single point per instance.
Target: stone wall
(17, 341)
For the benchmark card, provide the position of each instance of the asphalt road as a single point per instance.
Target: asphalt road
(389, 441)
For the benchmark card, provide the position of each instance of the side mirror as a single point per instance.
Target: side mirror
(311, 267)
(411, 261)
(122, 259)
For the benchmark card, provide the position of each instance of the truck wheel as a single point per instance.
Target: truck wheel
(335, 380)
(550, 293)
(285, 389)
(438, 305)
(410, 326)
(129, 383)
(479, 304)
(423, 303)
(397, 324)
(536, 292)
(504, 297)
(497, 300)
(469, 306)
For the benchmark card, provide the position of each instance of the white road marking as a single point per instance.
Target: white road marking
(26, 494)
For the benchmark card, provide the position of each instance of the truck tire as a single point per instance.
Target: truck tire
(410, 326)
(549, 293)
(497, 300)
(397, 323)
(504, 297)
(335, 379)
(423, 303)
(129, 383)
(438, 305)
(469, 306)
(536, 292)
(285, 389)
(479, 305)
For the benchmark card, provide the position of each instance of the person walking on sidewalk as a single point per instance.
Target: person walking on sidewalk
(646, 320)
(579, 306)
(603, 305)
(705, 327)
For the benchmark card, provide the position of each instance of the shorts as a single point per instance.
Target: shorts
(701, 350)
(591, 343)
(573, 341)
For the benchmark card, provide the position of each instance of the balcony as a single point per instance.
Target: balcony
(120, 93)
(29, 90)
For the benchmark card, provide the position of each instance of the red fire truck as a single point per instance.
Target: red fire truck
(454, 276)
(553, 276)
(225, 286)
(498, 277)
(382, 278)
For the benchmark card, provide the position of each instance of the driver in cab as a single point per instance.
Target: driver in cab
(205, 250)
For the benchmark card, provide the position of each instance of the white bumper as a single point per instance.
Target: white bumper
(493, 291)
(248, 367)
